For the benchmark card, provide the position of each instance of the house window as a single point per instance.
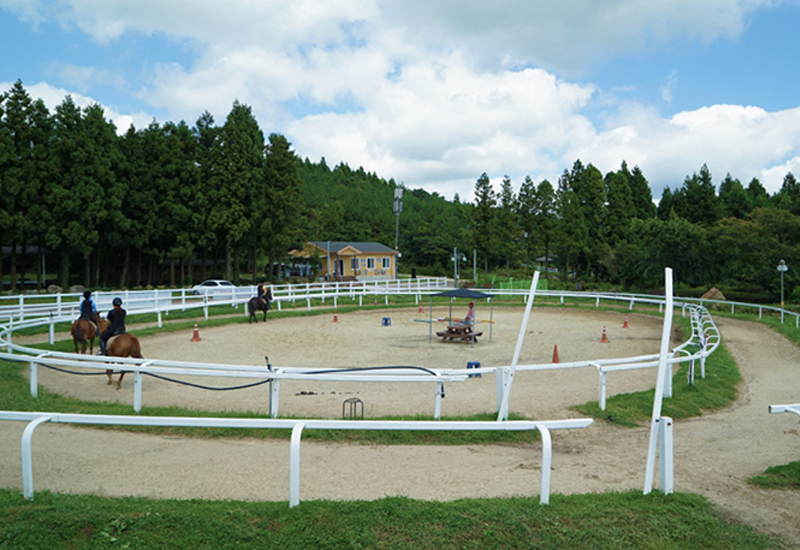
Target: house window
(353, 263)
(370, 263)
(387, 263)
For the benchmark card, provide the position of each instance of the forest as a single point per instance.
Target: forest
(173, 204)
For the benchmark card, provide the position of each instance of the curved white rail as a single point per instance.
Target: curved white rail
(702, 342)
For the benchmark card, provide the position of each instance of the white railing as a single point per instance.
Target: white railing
(702, 342)
(794, 408)
(26, 306)
(35, 419)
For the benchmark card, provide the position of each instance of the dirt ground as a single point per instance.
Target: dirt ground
(714, 453)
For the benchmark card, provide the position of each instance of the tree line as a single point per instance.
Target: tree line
(599, 228)
(171, 204)
(150, 206)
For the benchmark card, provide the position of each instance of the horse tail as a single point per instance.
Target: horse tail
(136, 350)
(77, 333)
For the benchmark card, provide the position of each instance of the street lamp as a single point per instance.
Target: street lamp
(398, 208)
(782, 267)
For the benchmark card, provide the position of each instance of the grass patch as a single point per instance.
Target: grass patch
(717, 390)
(15, 396)
(608, 520)
(779, 477)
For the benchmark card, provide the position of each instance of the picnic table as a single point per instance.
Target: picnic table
(461, 332)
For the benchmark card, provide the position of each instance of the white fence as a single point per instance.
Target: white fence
(26, 306)
(41, 311)
(702, 342)
(35, 419)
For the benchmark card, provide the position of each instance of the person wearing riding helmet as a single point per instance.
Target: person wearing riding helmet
(88, 309)
(116, 323)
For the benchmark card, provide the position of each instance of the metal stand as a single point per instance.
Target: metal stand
(352, 404)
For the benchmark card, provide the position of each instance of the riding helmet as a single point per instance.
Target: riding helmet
(117, 301)
(87, 294)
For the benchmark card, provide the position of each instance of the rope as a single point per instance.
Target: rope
(245, 386)
(423, 369)
(59, 369)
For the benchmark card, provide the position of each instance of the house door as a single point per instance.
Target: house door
(339, 266)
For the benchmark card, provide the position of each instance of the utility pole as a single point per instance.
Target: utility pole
(398, 208)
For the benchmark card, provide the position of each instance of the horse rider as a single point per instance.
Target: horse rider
(88, 309)
(262, 293)
(116, 324)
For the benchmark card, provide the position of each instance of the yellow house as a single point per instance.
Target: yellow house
(364, 261)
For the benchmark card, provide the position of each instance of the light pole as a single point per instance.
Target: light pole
(398, 208)
(782, 267)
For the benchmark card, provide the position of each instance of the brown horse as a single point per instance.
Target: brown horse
(259, 304)
(83, 330)
(122, 345)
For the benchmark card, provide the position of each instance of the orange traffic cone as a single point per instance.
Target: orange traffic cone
(555, 355)
(196, 334)
(420, 309)
(335, 317)
(604, 339)
(625, 324)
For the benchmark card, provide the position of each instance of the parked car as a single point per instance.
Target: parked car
(214, 287)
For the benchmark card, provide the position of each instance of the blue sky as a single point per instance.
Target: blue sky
(433, 94)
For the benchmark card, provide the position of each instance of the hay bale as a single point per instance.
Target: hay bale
(713, 294)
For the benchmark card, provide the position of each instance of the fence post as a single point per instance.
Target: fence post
(137, 391)
(437, 408)
(34, 376)
(294, 465)
(547, 464)
(27, 459)
(666, 477)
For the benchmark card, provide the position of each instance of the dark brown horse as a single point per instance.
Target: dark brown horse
(122, 345)
(83, 331)
(259, 304)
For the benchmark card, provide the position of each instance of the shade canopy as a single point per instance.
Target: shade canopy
(463, 293)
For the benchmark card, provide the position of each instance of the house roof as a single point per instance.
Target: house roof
(338, 247)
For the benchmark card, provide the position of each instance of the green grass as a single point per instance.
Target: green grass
(609, 520)
(779, 477)
(15, 396)
(717, 390)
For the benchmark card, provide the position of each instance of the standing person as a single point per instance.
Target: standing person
(88, 309)
(116, 325)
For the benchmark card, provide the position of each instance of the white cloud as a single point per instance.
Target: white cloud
(728, 138)
(435, 93)
(668, 88)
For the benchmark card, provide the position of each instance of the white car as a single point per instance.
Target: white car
(214, 287)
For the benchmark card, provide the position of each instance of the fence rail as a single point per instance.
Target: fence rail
(703, 341)
(36, 419)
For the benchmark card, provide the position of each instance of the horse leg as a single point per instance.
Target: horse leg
(109, 372)
(121, 376)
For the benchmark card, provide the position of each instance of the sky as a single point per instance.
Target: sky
(434, 93)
